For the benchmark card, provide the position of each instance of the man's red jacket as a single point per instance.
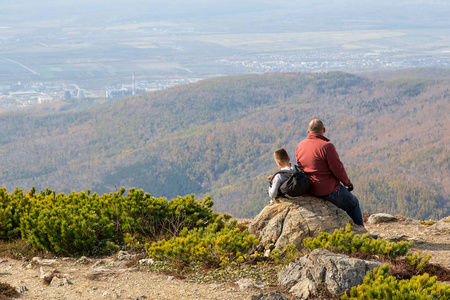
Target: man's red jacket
(320, 161)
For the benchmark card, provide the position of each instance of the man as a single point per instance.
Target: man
(319, 160)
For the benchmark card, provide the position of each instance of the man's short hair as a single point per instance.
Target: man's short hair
(315, 126)
(281, 155)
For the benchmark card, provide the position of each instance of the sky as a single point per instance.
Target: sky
(313, 15)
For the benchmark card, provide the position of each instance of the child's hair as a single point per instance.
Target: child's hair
(281, 155)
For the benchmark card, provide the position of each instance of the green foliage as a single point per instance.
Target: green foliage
(417, 261)
(217, 244)
(345, 240)
(9, 214)
(288, 254)
(380, 285)
(81, 223)
(428, 223)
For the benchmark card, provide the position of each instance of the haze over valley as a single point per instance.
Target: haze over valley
(52, 50)
(177, 99)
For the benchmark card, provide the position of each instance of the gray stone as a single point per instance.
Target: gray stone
(146, 261)
(83, 260)
(321, 268)
(442, 225)
(98, 264)
(43, 262)
(122, 255)
(244, 283)
(293, 220)
(381, 218)
(59, 281)
(270, 296)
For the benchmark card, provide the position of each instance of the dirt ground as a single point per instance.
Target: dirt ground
(110, 278)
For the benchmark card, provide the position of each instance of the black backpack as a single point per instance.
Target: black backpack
(296, 185)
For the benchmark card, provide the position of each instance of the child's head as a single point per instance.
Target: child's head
(281, 157)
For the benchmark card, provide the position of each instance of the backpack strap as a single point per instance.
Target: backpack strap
(285, 172)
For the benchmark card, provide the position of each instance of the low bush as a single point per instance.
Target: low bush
(85, 224)
(380, 285)
(216, 245)
(346, 241)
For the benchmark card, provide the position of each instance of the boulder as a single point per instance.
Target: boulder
(381, 218)
(336, 272)
(293, 220)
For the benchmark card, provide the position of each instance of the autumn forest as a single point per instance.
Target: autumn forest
(216, 137)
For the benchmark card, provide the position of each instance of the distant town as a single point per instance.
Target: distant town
(21, 94)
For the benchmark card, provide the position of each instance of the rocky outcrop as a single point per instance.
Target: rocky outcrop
(381, 218)
(293, 220)
(321, 268)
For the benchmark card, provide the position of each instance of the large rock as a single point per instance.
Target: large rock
(336, 272)
(381, 218)
(293, 220)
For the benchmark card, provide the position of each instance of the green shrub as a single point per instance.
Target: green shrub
(81, 223)
(417, 261)
(9, 219)
(380, 285)
(345, 240)
(218, 244)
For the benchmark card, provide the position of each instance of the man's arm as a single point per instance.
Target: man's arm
(273, 190)
(336, 165)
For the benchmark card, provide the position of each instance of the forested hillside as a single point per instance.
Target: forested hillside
(216, 137)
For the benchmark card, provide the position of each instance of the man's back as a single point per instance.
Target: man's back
(319, 160)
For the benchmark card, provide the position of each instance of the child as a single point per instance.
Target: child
(284, 163)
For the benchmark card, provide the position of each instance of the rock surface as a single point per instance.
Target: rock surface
(321, 268)
(121, 282)
(381, 218)
(293, 220)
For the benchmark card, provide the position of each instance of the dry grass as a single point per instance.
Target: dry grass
(21, 249)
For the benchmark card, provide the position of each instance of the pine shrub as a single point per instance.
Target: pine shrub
(380, 285)
(346, 241)
(215, 245)
(85, 224)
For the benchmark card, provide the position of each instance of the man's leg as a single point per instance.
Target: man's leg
(345, 200)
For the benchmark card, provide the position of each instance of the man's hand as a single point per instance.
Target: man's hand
(350, 187)
(270, 177)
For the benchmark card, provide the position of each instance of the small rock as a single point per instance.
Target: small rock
(214, 286)
(146, 261)
(267, 253)
(244, 283)
(122, 255)
(59, 281)
(138, 297)
(260, 285)
(48, 277)
(83, 260)
(381, 218)
(22, 289)
(105, 294)
(270, 296)
(44, 262)
(170, 278)
(3, 261)
(98, 264)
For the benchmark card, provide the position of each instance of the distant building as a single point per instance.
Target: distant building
(67, 95)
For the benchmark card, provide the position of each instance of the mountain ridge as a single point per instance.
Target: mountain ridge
(216, 137)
